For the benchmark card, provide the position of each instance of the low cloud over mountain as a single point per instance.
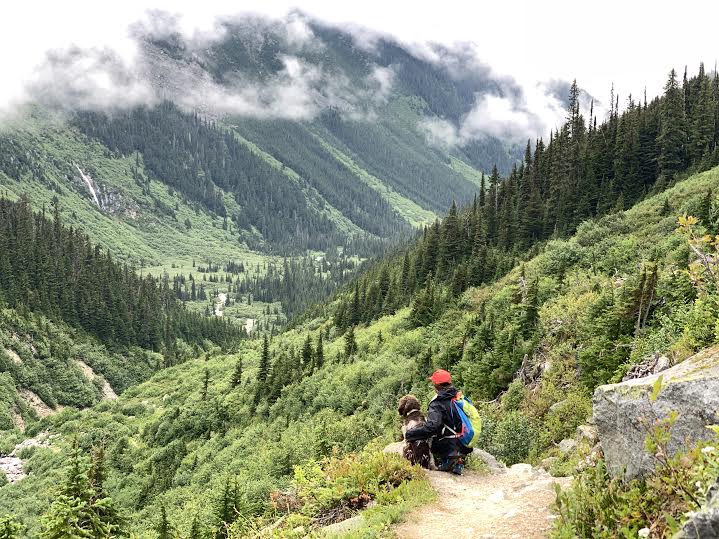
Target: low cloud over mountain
(280, 68)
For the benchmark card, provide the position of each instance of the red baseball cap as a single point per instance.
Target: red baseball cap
(441, 376)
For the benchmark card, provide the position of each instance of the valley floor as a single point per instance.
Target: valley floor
(514, 504)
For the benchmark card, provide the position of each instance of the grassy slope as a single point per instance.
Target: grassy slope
(392, 147)
(314, 198)
(141, 231)
(469, 172)
(413, 213)
(347, 404)
(137, 230)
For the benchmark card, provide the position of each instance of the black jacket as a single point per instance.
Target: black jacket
(441, 412)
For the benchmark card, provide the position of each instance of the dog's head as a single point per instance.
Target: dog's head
(407, 404)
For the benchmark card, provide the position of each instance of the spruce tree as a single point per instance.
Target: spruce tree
(196, 531)
(236, 379)
(450, 245)
(531, 307)
(264, 368)
(319, 353)
(492, 206)
(350, 343)
(482, 191)
(424, 308)
(79, 509)
(226, 508)
(672, 137)
(163, 528)
(205, 383)
(307, 355)
(666, 208)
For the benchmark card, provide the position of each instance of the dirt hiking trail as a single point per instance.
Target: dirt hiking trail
(512, 504)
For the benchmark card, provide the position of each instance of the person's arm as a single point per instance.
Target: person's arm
(430, 428)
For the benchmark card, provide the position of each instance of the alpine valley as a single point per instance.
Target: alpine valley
(215, 287)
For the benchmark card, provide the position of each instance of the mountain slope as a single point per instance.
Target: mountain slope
(333, 112)
(182, 442)
(256, 146)
(74, 320)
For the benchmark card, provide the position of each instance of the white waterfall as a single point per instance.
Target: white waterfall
(90, 185)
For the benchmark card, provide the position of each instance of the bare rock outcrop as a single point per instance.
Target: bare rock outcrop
(623, 411)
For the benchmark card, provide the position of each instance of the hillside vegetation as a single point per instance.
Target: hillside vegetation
(159, 231)
(74, 320)
(197, 425)
(532, 292)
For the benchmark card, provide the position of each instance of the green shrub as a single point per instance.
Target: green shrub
(512, 438)
(351, 480)
(513, 397)
(562, 422)
(333, 490)
(598, 506)
(10, 528)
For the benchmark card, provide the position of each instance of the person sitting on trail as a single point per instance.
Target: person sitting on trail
(443, 423)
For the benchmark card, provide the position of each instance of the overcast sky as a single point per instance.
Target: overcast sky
(632, 43)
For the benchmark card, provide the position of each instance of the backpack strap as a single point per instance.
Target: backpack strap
(446, 427)
(454, 434)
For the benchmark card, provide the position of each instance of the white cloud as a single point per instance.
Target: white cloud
(381, 80)
(82, 78)
(524, 39)
(297, 32)
(291, 94)
(440, 132)
(497, 116)
(531, 114)
(88, 79)
(516, 118)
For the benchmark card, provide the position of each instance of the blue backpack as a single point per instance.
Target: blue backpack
(471, 421)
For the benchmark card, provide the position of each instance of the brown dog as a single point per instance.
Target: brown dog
(419, 451)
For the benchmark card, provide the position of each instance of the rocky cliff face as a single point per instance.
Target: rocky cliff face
(623, 411)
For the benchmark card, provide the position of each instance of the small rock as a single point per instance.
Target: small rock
(596, 453)
(548, 462)
(703, 524)
(396, 448)
(343, 527)
(521, 469)
(662, 364)
(587, 433)
(491, 462)
(567, 445)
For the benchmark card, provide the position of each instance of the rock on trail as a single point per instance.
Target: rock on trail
(514, 504)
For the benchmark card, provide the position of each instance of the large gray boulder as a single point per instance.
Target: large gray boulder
(623, 411)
